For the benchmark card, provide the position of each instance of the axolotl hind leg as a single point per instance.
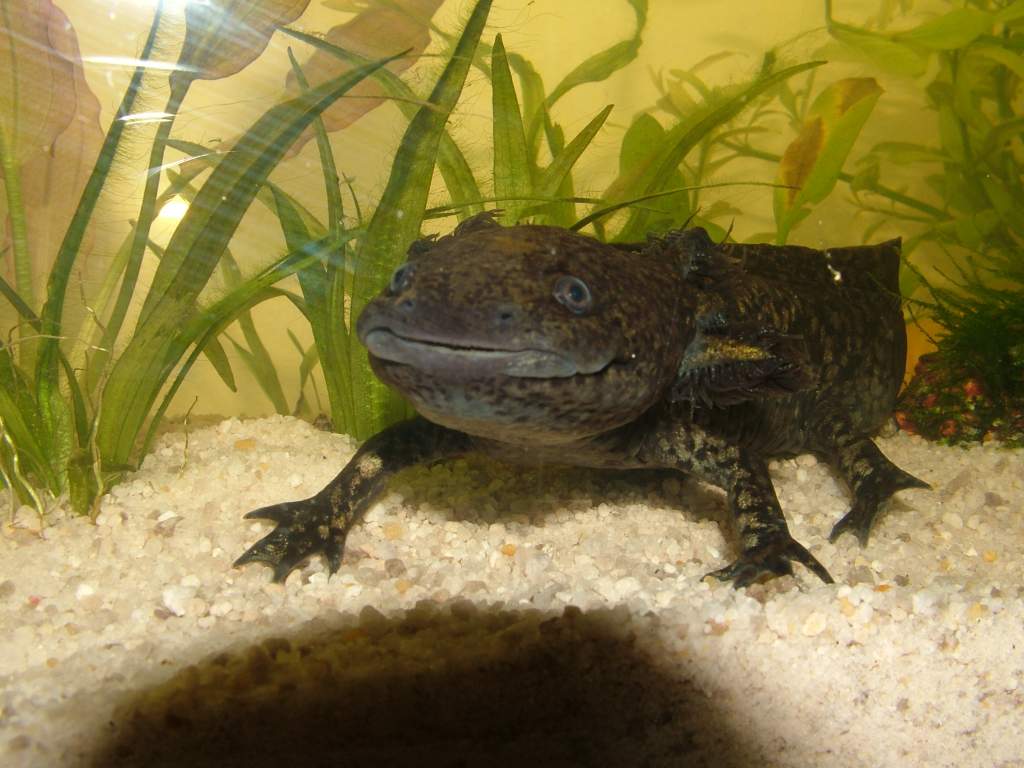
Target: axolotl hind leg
(766, 547)
(320, 524)
(873, 479)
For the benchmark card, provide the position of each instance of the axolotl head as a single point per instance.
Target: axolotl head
(528, 335)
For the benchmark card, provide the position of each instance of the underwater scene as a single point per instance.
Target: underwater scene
(495, 382)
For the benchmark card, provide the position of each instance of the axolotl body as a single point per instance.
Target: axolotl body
(538, 344)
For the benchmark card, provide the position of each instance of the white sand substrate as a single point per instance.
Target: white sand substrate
(487, 615)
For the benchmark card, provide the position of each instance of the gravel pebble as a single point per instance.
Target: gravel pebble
(912, 647)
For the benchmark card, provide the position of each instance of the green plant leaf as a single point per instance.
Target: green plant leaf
(970, 79)
(532, 91)
(972, 230)
(1012, 12)
(458, 177)
(662, 161)
(101, 339)
(211, 220)
(203, 155)
(1000, 134)
(308, 360)
(257, 363)
(22, 421)
(895, 57)
(950, 135)
(513, 176)
(638, 177)
(597, 68)
(908, 153)
(1005, 56)
(1002, 199)
(83, 485)
(192, 253)
(608, 210)
(563, 212)
(121, 275)
(643, 133)
(23, 309)
(209, 322)
(812, 162)
(213, 351)
(602, 65)
(952, 30)
(49, 397)
(256, 356)
(332, 181)
(396, 221)
(326, 319)
(324, 285)
(81, 420)
(218, 358)
(380, 28)
(639, 143)
(551, 178)
(530, 82)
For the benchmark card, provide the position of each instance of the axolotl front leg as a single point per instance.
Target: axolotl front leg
(320, 524)
(767, 549)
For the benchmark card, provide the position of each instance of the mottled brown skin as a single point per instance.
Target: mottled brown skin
(537, 344)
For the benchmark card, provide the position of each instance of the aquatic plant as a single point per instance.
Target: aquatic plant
(522, 188)
(970, 210)
(713, 127)
(71, 426)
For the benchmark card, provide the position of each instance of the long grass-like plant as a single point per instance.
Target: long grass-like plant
(964, 208)
(73, 428)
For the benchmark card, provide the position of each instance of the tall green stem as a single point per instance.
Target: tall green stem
(12, 183)
(327, 307)
(140, 235)
(53, 310)
(19, 231)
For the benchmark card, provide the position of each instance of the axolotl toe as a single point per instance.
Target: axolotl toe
(538, 344)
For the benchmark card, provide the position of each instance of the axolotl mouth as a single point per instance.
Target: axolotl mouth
(442, 358)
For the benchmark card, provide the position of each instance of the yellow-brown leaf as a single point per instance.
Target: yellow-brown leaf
(50, 125)
(222, 37)
(800, 156)
(52, 181)
(381, 30)
(36, 103)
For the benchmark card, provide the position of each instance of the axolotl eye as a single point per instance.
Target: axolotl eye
(400, 279)
(573, 294)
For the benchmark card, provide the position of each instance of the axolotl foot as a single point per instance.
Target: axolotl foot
(304, 528)
(771, 557)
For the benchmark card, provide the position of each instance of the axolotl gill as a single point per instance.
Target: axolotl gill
(537, 344)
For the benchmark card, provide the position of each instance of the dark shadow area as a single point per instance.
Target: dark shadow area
(458, 687)
(694, 500)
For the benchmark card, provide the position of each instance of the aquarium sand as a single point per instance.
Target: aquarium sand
(506, 616)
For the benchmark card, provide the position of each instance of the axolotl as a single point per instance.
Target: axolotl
(538, 344)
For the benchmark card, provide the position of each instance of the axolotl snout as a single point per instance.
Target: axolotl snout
(538, 344)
